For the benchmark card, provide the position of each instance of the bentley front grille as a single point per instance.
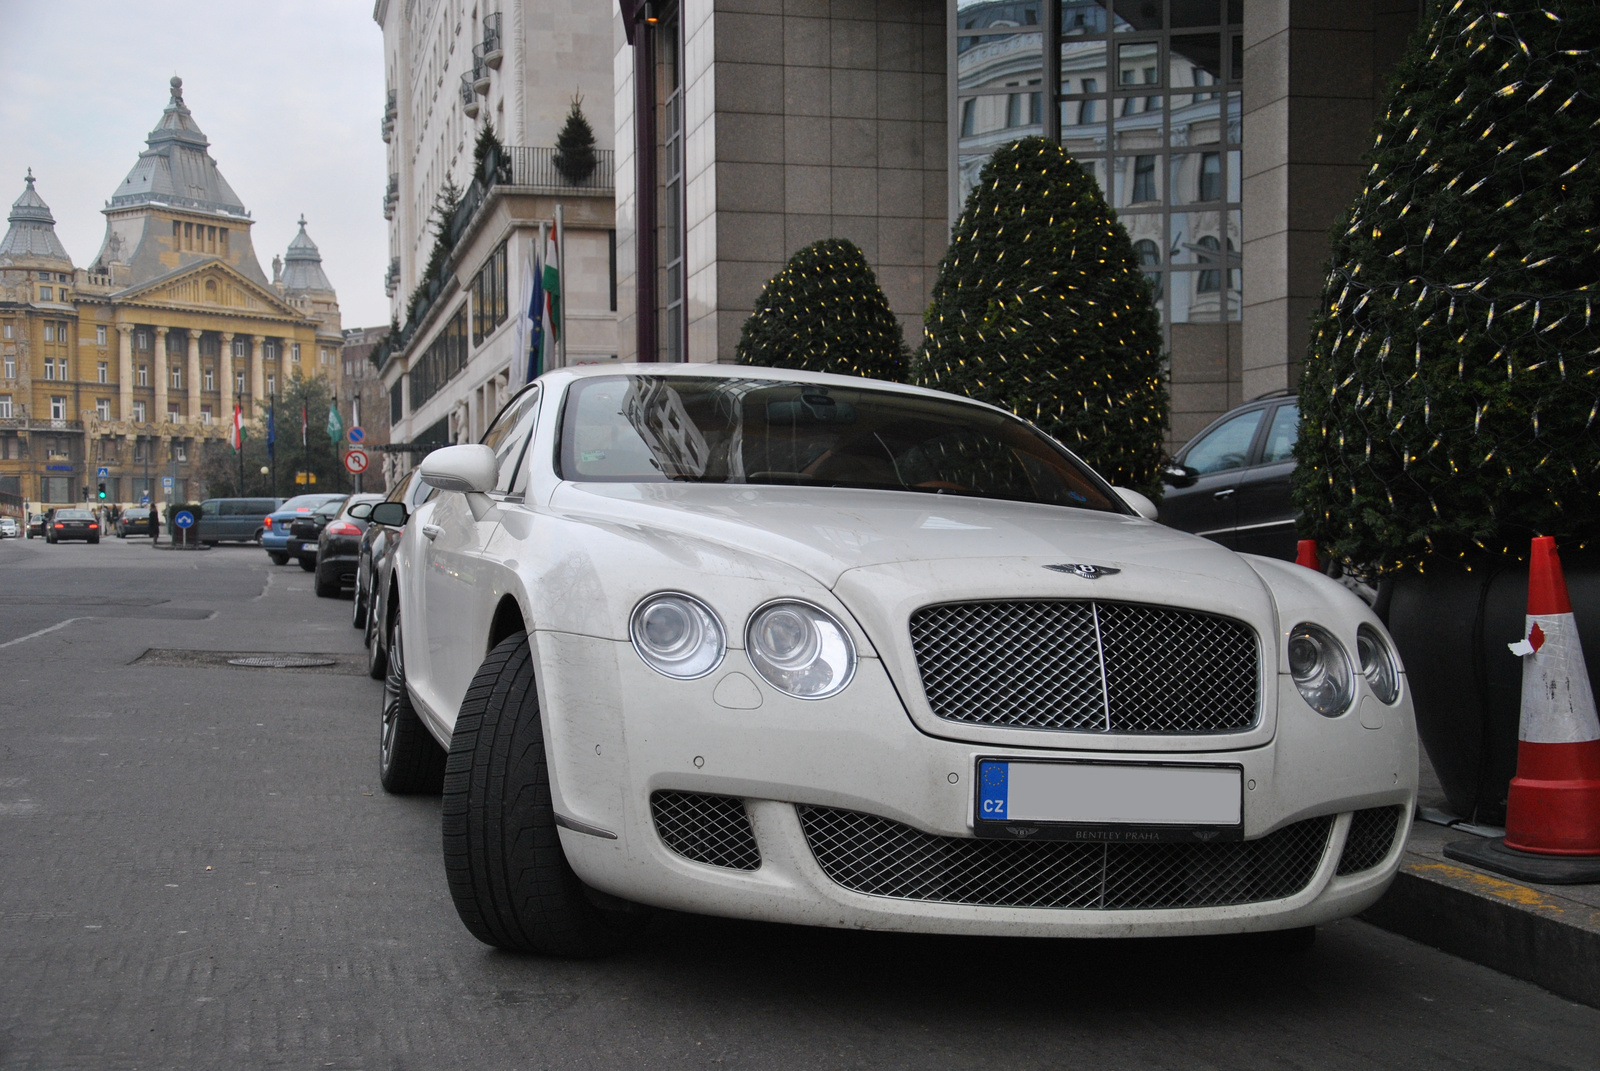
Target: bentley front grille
(714, 830)
(879, 857)
(1085, 666)
(1369, 840)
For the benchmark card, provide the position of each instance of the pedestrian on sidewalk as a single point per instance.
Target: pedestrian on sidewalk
(155, 525)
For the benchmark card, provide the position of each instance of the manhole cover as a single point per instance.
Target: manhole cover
(281, 662)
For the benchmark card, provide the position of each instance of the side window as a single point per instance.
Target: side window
(211, 507)
(1226, 447)
(1281, 434)
(509, 434)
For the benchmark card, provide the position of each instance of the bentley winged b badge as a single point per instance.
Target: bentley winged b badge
(1088, 572)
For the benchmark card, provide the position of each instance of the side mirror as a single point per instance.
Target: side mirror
(471, 469)
(1178, 475)
(392, 514)
(361, 511)
(1141, 505)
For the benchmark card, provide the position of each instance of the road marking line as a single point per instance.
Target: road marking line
(41, 632)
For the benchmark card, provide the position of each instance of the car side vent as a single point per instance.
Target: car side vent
(714, 830)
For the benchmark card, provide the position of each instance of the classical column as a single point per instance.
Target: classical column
(160, 415)
(258, 378)
(194, 376)
(125, 372)
(225, 370)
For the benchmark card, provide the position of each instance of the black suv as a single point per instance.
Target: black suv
(1230, 483)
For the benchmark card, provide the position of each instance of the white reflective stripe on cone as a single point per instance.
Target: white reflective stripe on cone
(1557, 702)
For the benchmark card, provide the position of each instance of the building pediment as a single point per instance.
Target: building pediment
(210, 287)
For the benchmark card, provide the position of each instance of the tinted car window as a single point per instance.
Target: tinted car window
(1225, 448)
(509, 431)
(752, 431)
(1281, 434)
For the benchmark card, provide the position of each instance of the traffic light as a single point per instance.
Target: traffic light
(86, 492)
(102, 494)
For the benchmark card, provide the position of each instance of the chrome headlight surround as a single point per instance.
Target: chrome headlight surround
(800, 649)
(677, 635)
(1321, 669)
(1379, 664)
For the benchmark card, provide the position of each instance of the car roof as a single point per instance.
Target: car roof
(742, 371)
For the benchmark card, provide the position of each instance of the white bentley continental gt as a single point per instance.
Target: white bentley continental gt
(821, 650)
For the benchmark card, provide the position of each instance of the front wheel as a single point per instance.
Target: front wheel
(509, 878)
(410, 762)
(278, 558)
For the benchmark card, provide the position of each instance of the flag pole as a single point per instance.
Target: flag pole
(561, 273)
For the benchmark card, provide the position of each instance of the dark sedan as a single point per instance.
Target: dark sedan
(276, 537)
(35, 525)
(135, 522)
(1230, 483)
(339, 544)
(64, 524)
(376, 569)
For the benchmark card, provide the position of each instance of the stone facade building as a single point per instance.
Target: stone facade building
(133, 365)
(453, 66)
(1227, 134)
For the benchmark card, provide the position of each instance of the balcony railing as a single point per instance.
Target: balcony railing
(537, 166)
(469, 96)
(491, 40)
(391, 196)
(480, 70)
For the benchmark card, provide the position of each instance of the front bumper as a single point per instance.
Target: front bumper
(617, 733)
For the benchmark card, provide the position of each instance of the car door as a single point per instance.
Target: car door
(1266, 519)
(456, 601)
(1219, 455)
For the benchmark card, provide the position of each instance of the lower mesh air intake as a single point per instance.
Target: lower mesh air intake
(707, 829)
(1371, 836)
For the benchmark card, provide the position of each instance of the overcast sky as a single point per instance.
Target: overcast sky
(290, 94)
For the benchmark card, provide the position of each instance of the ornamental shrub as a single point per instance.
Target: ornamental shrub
(574, 155)
(1040, 308)
(1449, 398)
(824, 312)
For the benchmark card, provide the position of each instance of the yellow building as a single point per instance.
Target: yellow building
(133, 365)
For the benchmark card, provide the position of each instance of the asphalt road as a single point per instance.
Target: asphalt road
(199, 870)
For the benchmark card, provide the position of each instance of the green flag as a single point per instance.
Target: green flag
(335, 425)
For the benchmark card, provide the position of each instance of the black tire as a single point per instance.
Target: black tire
(259, 533)
(410, 762)
(94, 539)
(308, 564)
(278, 558)
(377, 657)
(508, 875)
(326, 588)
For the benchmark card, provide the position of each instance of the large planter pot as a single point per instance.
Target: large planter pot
(1452, 626)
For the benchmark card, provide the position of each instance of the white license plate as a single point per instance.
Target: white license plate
(1110, 795)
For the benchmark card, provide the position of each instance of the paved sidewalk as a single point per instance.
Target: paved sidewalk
(1545, 934)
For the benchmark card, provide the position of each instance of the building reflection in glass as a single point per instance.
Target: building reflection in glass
(1147, 99)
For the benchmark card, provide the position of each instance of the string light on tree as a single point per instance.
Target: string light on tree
(1449, 395)
(1041, 308)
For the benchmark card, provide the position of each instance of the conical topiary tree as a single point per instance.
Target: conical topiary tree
(824, 312)
(488, 155)
(574, 156)
(1450, 395)
(1040, 307)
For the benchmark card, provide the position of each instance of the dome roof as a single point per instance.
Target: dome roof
(33, 229)
(177, 169)
(302, 265)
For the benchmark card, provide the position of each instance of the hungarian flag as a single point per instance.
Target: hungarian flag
(238, 427)
(531, 322)
(335, 425)
(550, 283)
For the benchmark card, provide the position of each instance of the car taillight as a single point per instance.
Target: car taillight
(94, 526)
(59, 525)
(269, 521)
(343, 528)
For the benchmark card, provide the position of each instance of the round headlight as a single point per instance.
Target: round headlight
(800, 650)
(1378, 664)
(677, 635)
(1321, 670)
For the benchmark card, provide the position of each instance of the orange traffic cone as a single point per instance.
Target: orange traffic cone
(1306, 555)
(1553, 811)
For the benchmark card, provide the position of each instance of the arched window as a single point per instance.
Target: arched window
(1208, 248)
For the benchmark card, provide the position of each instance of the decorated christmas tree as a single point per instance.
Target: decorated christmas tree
(1450, 395)
(574, 156)
(824, 312)
(1040, 307)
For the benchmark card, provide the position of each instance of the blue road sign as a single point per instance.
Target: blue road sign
(102, 472)
(356, 435)
(166, 484)
(144, 498)
(184, 519)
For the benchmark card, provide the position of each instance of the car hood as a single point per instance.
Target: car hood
(827, 533)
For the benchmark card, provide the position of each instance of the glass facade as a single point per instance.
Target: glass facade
(1147, 98)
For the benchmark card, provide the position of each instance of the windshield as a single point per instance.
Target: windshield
(699, 429)
(307, 502)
